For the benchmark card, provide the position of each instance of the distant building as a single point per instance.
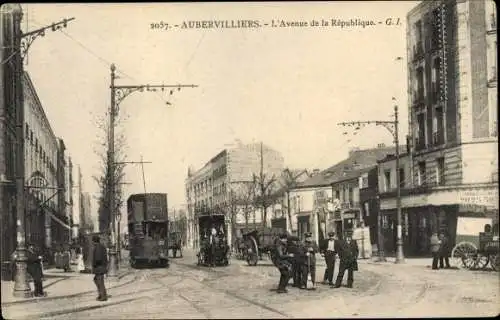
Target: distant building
(331, 199)
(224, 180)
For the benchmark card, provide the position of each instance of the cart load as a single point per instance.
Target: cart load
(257, 242)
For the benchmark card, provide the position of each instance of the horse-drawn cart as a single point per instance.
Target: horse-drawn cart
(478, 252)
(257, 242)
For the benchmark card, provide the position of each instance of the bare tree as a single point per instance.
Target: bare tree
(290, 180)
(102, 179)
(264, 198)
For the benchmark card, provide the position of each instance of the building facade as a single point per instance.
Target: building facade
(10, 25)
(453, 115)
(40, 165)
(331, 199)
(221, 186)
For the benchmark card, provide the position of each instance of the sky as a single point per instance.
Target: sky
(285, 86)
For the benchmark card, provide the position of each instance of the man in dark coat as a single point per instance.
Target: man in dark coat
(328, 249)
(444, 251)
(34, 268)
(309, 266)
(297, 249)
(283, 261)
(347, 250)
(100, 267)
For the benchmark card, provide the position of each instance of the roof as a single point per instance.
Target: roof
(358, 162)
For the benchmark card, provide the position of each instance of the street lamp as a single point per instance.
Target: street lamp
(118, 94)
(393, 128)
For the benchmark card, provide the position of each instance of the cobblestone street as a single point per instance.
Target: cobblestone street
(238, 291)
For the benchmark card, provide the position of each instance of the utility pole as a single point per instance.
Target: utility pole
(118, 94)
(22, 42)
(392, 127)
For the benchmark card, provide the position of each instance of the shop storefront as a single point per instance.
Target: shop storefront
(439, 211)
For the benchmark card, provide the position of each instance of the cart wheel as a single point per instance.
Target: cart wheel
(463, 255)
(481, 262)
(495, 262)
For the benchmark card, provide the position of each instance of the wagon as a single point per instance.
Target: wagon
(218, 250)
(259, 242)
(478, 252)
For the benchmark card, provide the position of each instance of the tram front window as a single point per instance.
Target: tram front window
(155, 231)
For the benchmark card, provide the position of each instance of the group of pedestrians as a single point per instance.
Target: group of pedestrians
(100, 267)
(440, 248)
(297, 260)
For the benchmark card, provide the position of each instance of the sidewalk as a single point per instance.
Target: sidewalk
(59, 284)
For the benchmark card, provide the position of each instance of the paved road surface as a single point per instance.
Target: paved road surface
(239, 291)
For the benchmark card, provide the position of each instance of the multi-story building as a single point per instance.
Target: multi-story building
(10, 25)
(221, 182)
(40, 158)
(339, 185)
(86, 217)
(452, 64)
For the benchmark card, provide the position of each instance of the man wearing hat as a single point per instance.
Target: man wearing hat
(311, 248)
(329, 250)
(283, 262)
(100, 267)
(34, 268)
(348, 253)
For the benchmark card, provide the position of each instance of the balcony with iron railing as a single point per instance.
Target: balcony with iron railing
(420, 143)
(438, 138)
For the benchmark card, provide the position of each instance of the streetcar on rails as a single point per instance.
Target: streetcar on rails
(148, 229)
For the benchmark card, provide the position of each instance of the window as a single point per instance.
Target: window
(31, 136)
(418, 36)
(36, 144)
(436, 80)
(440, 171)
(402, 177)
(420, 84)
(387, 180)
(27, 132)
(438, 126)
(420, 142)
(351, 196)
(337, 194)
(421, 173)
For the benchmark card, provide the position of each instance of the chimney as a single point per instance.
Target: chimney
(381, 145)
(315, 172)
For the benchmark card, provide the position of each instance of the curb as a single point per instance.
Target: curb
(113, 284)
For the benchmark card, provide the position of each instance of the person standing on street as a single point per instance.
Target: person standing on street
(309, 267)
(348, 253)
(283, 262)
(100, 267)
(444, 251)
(35, 270)
(435, 246)
(328, 250)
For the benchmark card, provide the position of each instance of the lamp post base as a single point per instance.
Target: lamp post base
(113, 263)
(400, 258)
(21, 286)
